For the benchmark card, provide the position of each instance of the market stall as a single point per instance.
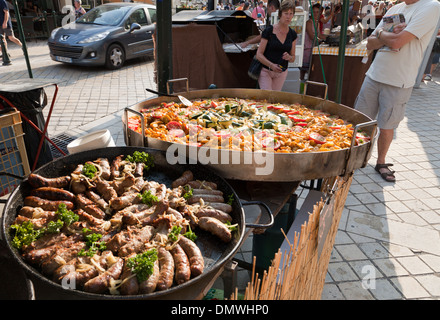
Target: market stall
(357, 61)
(206, 51)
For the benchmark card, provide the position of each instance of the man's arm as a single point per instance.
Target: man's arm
(394, 40)
(5, 21)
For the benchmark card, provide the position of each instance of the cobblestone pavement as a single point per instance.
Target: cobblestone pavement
(388, 244)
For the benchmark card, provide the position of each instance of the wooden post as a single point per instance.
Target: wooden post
(164, 44)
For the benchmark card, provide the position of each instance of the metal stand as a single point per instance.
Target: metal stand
(5, 54)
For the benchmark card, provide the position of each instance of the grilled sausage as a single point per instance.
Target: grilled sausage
(202, 185)
(61, 256)
(214, 213)
(206, 198)
(196, 262)
(139, 171)
(186, 177)
(129, 284)
(47, 205)
(97, 199)
(101, 283)
(105, 190)
(105, 168)
(38, 181)
(221, 206)
(51, 193)
(166, 273)
(181, 264)
(149, 285)
(34, 212)
(114, 168)
(216, 227)
(207, 191)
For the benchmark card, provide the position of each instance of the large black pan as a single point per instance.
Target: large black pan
(216, 254)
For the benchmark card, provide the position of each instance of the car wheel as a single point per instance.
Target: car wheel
(115, 57)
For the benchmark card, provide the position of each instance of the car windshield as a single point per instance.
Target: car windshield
(104, 15)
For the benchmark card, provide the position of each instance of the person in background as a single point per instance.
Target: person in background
(272, 6)
(312, 26)
(389, 81)
(327, 19)
(259, 9)
(79, 10)
(246, 9)
(6, 24)
(240, 6)
(433, 59)
(277, 49)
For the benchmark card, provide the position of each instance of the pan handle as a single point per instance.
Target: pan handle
(177, 80)
(126, 110)
(317, 84)
(269, 212)
(159, 93)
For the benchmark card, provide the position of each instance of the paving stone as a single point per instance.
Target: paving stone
(431, 283)
(410, 288)
(353, 290)
(414, 265)
(390, 267)
(374, 250)
(382, 289)
(341, 271)
(350, 252)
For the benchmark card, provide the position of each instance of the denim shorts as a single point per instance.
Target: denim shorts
(383, 102)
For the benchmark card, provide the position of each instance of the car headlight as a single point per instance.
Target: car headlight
(54, 32)
(96, 37)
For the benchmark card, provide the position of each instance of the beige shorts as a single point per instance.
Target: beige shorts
(383, 102)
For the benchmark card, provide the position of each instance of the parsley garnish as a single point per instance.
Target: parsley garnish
(143, 264)
(89, 170)
(25, 234)
(188, 192)
(190, 235)
(93, 244)
(148, 198)
(174, 234)
(142, 157)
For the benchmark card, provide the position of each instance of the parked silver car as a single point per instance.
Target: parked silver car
(107, 35)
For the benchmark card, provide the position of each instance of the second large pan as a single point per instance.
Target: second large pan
(253, 166)
(215, 254)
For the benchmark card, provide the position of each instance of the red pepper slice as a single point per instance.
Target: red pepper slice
(298, 118)
(292, 112)
(317, 138)
(213, 104)
(173, 125)
(302, 124)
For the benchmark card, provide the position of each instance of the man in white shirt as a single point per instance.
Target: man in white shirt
(390, 79)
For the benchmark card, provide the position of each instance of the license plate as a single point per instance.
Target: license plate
(64, 59)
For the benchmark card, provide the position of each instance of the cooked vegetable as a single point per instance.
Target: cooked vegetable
(142, 157)
(190, 234)
(148, 198)
(65, 215)
(174, 233)
(25, 234)
(188, 192)
(143, 264)
(89, 170)
(93, 244)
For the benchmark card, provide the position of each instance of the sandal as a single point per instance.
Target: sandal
(387, 175)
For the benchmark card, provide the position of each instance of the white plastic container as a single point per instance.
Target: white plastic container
(94, 140)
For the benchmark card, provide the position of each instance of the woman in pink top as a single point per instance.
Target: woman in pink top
(259, 9)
